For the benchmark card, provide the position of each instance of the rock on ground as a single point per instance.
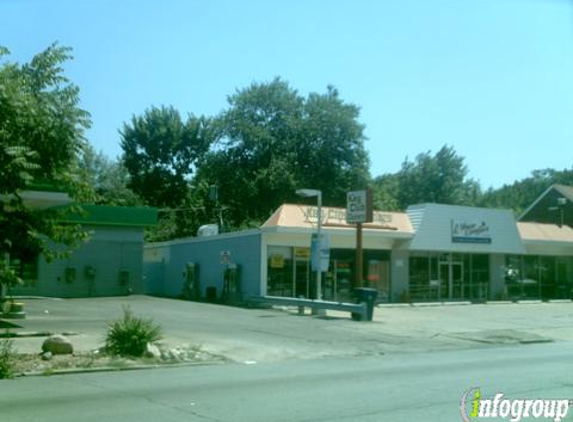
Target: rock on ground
(58, 345)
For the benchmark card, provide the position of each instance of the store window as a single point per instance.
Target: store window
(289, 273)
(539, 277)
(447, 276)
(279, 272)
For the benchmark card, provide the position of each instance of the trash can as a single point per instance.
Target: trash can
(368, 295)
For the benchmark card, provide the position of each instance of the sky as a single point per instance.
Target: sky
(492, 78)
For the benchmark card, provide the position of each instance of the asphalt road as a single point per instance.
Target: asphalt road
(396, 387)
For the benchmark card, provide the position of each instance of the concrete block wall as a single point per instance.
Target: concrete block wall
(109, 251)
(244, 249)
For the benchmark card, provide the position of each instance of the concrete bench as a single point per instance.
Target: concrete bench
(358, 310)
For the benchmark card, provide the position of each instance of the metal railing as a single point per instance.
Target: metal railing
(359, 309)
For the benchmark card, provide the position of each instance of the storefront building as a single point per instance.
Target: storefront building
(431, 252)
(109, 263)
(286, 236)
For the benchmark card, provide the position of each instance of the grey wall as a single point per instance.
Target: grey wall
(168, 280)
(109, 250)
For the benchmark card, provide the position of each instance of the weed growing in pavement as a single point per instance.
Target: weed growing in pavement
(7, 358)
(129, 335)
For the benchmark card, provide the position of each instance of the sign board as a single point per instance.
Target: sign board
(277, 261)
(470, 232)
(225, 257)
(359, 207)
(320, 252)
(301, 253)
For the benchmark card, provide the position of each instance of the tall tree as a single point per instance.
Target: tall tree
(273, 141)
(161, 152)
(521, 193)
(439, 178)
(331, 152)
(109, 178)
(41, 134)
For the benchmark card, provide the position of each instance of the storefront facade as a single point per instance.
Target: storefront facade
(287, 235)
(431, 252)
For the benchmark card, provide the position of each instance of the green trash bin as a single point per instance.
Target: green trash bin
(367, 295)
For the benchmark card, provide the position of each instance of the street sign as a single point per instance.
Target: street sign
(359, 207)
(320, 252)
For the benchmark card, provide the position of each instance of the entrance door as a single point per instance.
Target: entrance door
(451, 275)
(444, 277)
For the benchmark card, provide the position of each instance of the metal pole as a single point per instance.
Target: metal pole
(319, 233)
(359, 257)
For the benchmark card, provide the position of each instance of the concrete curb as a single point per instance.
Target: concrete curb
(76, 371)
(466, 303)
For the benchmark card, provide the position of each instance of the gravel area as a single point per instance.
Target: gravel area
(36, 364)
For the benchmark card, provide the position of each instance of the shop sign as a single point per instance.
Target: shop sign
(470, 232)
(359, 207)
(302, 253)
(277, 261)
(320, 252)
(337, 216)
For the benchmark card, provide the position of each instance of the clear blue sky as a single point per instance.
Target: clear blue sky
(493, 78)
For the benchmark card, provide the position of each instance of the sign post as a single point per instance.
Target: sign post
(359, 210)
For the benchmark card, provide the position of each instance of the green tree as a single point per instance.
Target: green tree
(160, 152)
(108, 178)
(439, 178)
(522, 193)
(331, 147)
(273, 141)
(385, 191)
(41, 134)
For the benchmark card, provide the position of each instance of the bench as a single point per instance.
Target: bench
(358, 310)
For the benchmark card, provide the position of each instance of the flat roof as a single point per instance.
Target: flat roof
(107, 215)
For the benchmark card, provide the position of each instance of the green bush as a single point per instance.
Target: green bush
(129, 335)
(6, 358)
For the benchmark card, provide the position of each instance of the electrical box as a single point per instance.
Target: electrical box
(191, 281)
(90, 271)
(124, 276)
(70, 274)
(232, 291)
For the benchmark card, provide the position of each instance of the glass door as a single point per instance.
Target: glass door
(451, 276)
(444, 277)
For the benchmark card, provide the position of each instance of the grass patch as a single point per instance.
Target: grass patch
(129, 335)
(7, 358)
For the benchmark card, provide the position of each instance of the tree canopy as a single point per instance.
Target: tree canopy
(41, 134)
(439, 178)
(160, 153)
(272, 141)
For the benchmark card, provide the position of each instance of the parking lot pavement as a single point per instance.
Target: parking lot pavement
(255, 335)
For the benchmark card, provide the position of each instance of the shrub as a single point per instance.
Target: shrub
(6, 358)
(129, 335)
